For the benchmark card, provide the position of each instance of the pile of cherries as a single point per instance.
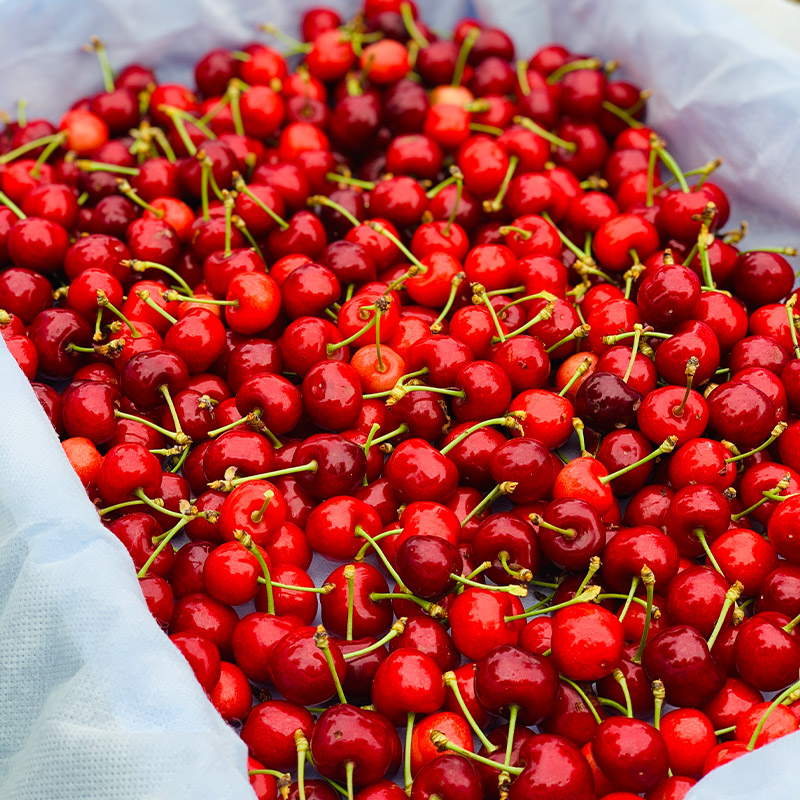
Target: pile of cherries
(347, 304)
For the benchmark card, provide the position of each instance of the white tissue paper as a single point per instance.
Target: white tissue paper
(95, 703)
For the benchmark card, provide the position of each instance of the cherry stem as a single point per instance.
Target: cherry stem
(629, 597)
(513, 712)
(99, 49)
(773, 705)
(567, 533)
(516, 571)
(451, 682)
(620, 113)
(649, 580)
(454, 213)
(543, 315)
(165, 540)
(22, 112)
(171, 296)
(455, 282)
(534, 127)
(227, 203)
(349, 576)
(651, 172)
(522, 77)
(9, 203)
(157, 505)
(790, 304)
(571, 66)
(104, 302)
(142, 266)
(402, 428)
(776, 432)
(514, 588)
(672, 165)
(490, 206)
(479, 127)
(330, 349)
(274, 772)
(301, 743)
(205, 172)
(701, 537)
(587, 596)
(659, 694)
(667, 446)
(586, 701)
(637, 335)
(407, 13)
(508, 421)
(619, 677)
(231, 425)
(144, 296)
(442, 743)
(380, 366)
(42, 141)
(321, 641)
(122, 415)
(433, 191)
(361, 554)
(322, 200)
(46, 153)
(258, 515)
(435, 611)
(247, 542)
(380, 228)
(463, 54)
(407, 777)
(790, 626)
(724, 731)
(164, 389)
(295, 44)
(506, 487)
(396, 630)
(361, 533)
(223, 485)
(606, 701)
(594, 566)
(731, 596)
(180, 129)
(348, 770)
(479, 297)
(349, 180)
(326, 588)
(582, 369)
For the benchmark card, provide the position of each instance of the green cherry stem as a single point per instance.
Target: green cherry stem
(451, 682)
(463, 54)
(623, 684)
(773, 705)
(442, 743)
(321, 641)
(587, 596)
(649, 581)
(396, 630)
(165, 540)
(586, 701)
(731, 596)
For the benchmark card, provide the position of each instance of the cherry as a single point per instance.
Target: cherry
(269, 732)
(586, 641)
(631, 753)
(448, 777)
(202, 655)
(478, 624)
(511, 681)
(407, 682)
(767, 652)
(679, 657)
(553, 766)
(762, 277)
(300, 670)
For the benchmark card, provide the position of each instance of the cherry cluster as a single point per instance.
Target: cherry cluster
(347, 304)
